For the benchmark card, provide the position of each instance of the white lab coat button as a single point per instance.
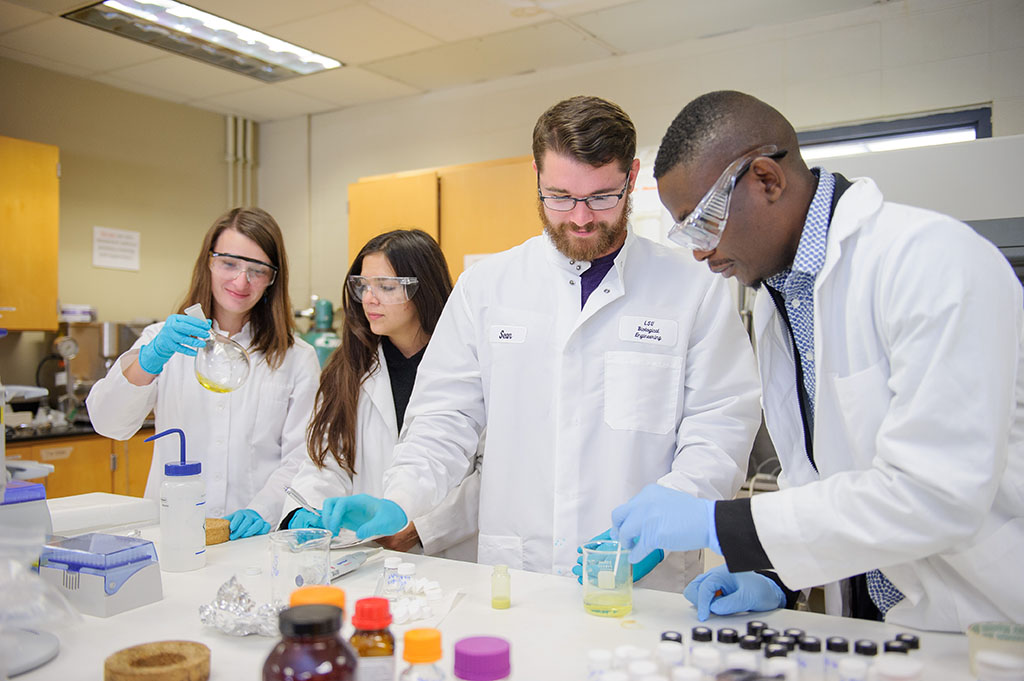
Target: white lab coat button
(572, 282)
(607, 290)
(578, 266)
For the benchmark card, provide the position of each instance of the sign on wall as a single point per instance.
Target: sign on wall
(116, 249)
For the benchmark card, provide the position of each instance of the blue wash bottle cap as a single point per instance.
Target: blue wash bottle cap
(184, 467)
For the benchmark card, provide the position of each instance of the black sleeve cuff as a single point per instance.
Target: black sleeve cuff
(287, 519)
(734, 524)
(791, 596)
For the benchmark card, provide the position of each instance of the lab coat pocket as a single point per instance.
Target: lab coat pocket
(992, 566)
(500, 550)
(271, 412)
(641, 391)
(862, 400)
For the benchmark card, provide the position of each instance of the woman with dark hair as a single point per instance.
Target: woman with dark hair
(397, 286)
(249, 441)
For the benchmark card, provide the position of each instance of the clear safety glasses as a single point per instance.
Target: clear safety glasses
(702, 229)
(230, 265)
(387, 290)
(564, 204)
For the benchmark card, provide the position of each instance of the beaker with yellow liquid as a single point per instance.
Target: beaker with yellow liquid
(222, 365)
(607, 579)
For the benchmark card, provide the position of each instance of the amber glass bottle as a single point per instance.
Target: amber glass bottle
(373, 641)
(311, 647)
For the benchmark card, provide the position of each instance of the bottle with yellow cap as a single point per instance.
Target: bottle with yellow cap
(422, 652)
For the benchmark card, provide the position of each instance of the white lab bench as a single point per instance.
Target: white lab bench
(549, 632)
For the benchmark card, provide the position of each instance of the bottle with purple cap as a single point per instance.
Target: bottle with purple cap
(482, 658)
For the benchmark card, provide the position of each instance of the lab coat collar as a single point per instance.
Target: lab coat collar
(561, 261)
(380, 394)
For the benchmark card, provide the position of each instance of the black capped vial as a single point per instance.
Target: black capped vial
(728, 636)
(896, 647)
(754, 627)
(912, 641)
(809, 657)
(767, 634)
(750, 642)
(673, 636)
(795, 633)
(788, 641)
(837, 644)
(866, 648)
(775, 650)
(700, 635)
(836, 649)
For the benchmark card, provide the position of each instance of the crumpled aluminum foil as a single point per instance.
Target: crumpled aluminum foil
(235, 612)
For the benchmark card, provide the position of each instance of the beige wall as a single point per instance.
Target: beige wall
(889, 60)
(128, 162)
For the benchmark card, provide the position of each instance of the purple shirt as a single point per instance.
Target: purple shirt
(590, 279)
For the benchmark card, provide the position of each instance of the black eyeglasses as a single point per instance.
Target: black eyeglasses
(564, 204)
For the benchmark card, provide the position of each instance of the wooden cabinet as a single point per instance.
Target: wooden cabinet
(477, 209)
(29, 219)
(89, 463)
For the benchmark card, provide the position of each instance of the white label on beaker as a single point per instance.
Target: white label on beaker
(606, 579)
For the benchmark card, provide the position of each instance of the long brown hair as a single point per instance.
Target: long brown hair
(411, 253)
(272, 322)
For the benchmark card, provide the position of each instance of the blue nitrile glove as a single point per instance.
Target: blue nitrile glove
(368, 516)
(246, 523)
(303, 519)
(663, 518)
(180, 333)
(640, 570)
(726, 593)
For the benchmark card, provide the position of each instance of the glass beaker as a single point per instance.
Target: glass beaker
(222, 365)
(297, 558)
(607, 579)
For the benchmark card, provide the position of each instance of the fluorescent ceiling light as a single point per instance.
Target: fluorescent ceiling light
(197, 34)
(813, 152)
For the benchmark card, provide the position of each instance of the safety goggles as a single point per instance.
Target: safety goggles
(702, 229)
(231, 265)
(387, 290)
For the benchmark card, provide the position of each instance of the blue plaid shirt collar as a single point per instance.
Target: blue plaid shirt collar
(810, 253)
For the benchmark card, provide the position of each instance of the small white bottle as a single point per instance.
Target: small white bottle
(501, 589)
(406, 576)
(853, 669)
(387, 583)
(707, 659)
(182, 512)
(599, 662)
(641, 669)
(782, 666)
(669, 655)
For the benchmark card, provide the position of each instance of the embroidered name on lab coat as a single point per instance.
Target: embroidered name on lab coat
(508, 334)
(648, 330)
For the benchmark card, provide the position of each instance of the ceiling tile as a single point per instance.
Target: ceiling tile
(139, 88)
(266, 103)
(189, 78)
(54, 7)
(513, 52)
(265, 15)
(89, 48)
(348, 86)
(452, 20)
(14, 16)
(43, 62)
(355, 35)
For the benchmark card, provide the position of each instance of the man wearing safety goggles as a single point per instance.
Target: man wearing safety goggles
(597, 361)
(889, 344)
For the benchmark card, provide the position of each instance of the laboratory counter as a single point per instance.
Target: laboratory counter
(548, 630)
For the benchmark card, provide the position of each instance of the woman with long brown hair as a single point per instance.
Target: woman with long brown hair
(249, 441)
(397, 286)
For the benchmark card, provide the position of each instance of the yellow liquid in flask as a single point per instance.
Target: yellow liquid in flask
(211, 386)
(608, 604)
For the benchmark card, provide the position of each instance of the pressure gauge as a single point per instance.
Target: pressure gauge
(65, 346)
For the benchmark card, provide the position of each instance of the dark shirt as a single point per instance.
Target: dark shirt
(402, 372)
(591, 279)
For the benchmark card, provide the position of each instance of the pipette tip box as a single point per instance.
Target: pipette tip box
(103, 574)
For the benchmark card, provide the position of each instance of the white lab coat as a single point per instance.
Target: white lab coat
(250, 441)
(448, 531)
(918, 422)
(653, 381)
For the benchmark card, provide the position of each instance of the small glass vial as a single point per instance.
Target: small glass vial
(853, 669)
(912, 640)
(501, 588)
(742, 659)
(311, 647)
(422, 652)
(387, 583)
(727, 639)
(482, 658)
(669, 655)
(837, 649)
(373, 641)
(599, 661)
(866, 649)
(700, 637)
(782, 666)
(641, 669)
(673, 636)
(754, 627)
(809, 658)
(406, 576)
(706, 659)
(750, 643)
(897, 668)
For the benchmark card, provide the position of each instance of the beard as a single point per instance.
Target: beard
(608, 234)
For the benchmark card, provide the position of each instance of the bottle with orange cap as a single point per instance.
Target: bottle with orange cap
(311, 645)
(373, 641)
(422, 652)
